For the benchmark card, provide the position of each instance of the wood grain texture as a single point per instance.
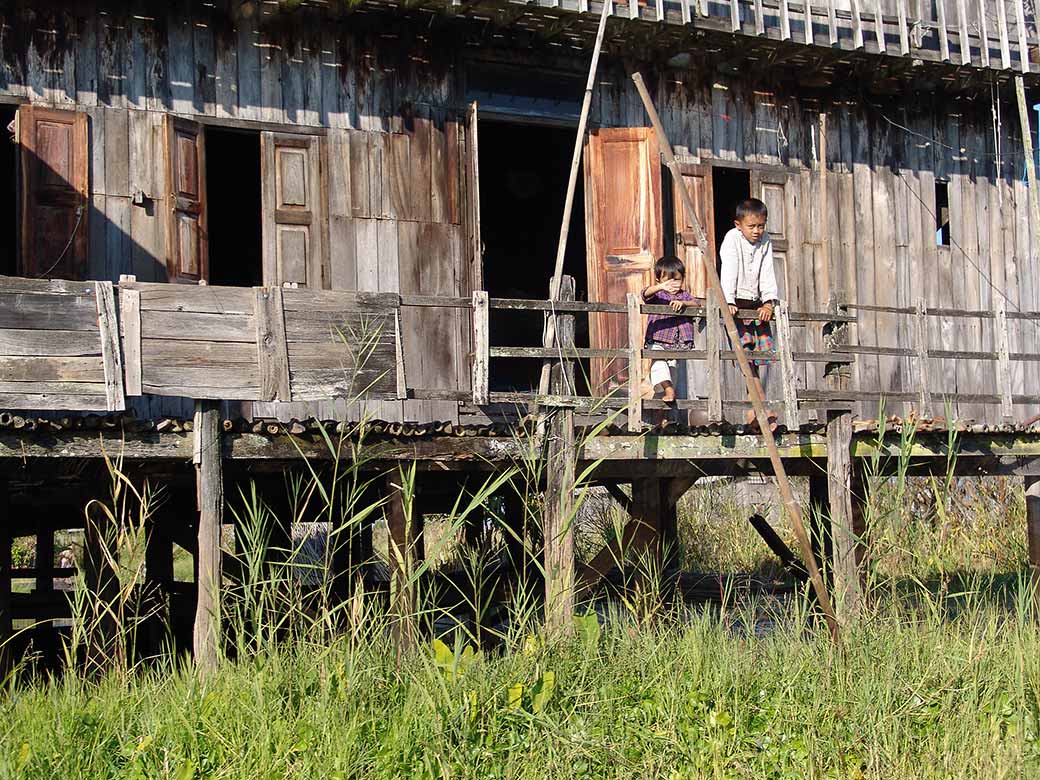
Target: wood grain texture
(111, 352)
(271, 345)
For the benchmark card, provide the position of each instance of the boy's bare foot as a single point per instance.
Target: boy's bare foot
(667, 392)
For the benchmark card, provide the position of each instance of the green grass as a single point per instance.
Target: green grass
(913, 694)
(939, 678)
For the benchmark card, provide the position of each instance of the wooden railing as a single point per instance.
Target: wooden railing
(979, 33)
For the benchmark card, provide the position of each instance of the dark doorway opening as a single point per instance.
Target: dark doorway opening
(233, 204)
(730, 187)
(9, 206)
(523, 184)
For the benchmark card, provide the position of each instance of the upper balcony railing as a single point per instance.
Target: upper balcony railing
(997, 34)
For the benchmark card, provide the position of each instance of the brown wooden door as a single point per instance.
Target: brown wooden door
(55, 157)
(772, 189)
(187, 241)
(294, 241)
(697, 179)
(623, 233)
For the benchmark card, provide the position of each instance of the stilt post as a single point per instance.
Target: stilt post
(405, 542)
(209, 474)
(1033, 535)
(559, 489)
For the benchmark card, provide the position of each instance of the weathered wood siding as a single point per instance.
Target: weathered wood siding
(389, 105)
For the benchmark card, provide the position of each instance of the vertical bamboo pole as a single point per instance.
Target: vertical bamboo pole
(209, 475)
(568, 202)
(786, 495)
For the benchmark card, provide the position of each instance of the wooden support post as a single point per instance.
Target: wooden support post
(962, 32)
(1023, 38)
(944, 38)
(1005, 38)
(6, 623)
(713, 329)
(924, 396)
(832, 23)
(46, 639)
(846, 499)
(879, 26)
(1032, 484)
(751, 382)
(405, 534)
(481, 348)
(857, 24)
(635, 363)
(789, 390)
(1007, 410)
(561, 463)
(904, 29)
(647, 514)
(209, 476)
(158, 572)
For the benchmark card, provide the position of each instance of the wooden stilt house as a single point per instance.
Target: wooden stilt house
(235, 216)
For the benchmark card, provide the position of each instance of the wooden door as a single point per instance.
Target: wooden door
(187, 241)
(697, 179)
(294, 242)
(55, 156)
(623, 233)
(771, 187)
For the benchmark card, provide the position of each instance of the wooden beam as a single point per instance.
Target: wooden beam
(807, 13)
(944, 38)
(734, 16)
(832, 24)
(962, 32)
(785, 21)
(1025, 127)
(1032, 485)
(271, 346)
(879, 27)
(480, 348)
(788, 388)
(209, 475)
(921, 364)
(845, 499)
(1003, 359)
(130, 327)
(111, 352)
(904, 29)
(982, 12)
(857, 25)
(635, 363)
(1005, 37)
(758, 403)
(1023, 38)
(760, 18)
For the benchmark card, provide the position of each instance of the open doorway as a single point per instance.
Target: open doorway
(523, 184)
(8, 192)
(730, 186)
(233, 207)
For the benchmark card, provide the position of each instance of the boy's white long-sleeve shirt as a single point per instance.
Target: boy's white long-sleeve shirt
(747, 269)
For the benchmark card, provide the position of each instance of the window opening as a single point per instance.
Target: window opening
(233, 203)
(523, 183)
(942, 213)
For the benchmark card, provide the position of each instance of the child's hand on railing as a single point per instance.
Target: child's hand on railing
(678, 305)
(765, 312)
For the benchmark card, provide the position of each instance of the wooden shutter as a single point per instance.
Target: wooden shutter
(292, 210)
(187, 241)
(475, 246)
(55, 158)
(623, 233)
(697, 179)
(772, 188)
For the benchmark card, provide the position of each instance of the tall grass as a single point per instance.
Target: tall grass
(939, 678)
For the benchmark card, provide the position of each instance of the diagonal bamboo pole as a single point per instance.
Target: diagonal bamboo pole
(568, 203)
(757, 401)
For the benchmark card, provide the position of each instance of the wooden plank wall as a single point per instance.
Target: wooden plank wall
(883, 164)
(392, 150)
(388, 108)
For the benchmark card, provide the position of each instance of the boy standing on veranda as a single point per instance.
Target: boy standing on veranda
(749, 282)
